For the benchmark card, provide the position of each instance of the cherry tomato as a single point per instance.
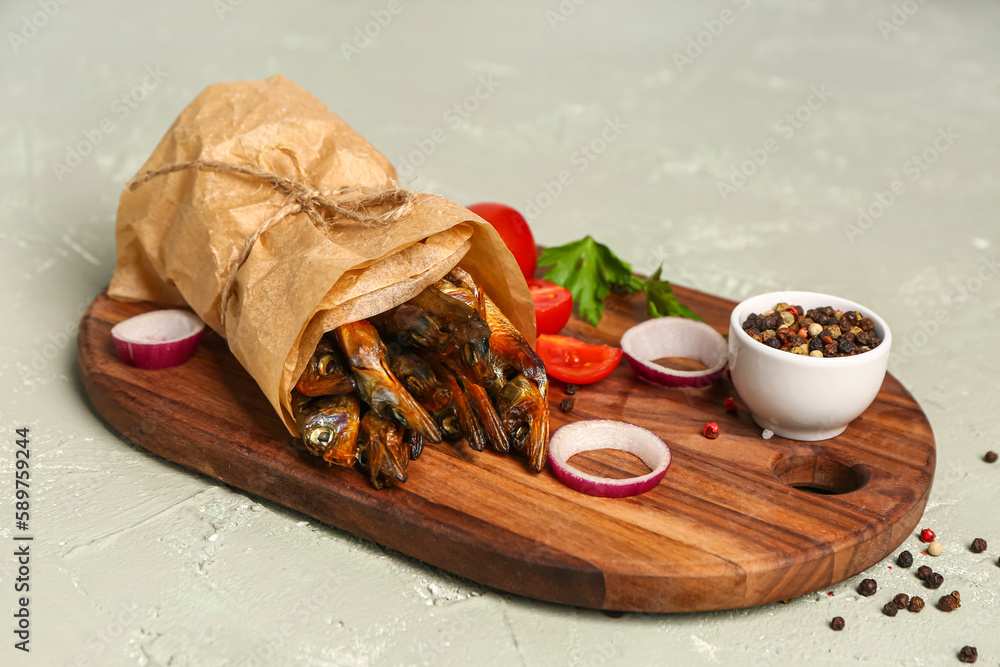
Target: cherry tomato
(553, 305)
(571, 360)
(514, 231)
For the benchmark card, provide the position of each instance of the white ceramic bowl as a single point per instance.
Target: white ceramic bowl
(801, 397)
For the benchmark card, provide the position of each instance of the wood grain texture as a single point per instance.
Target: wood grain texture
(726, 528)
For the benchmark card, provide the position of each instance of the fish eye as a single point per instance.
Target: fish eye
(396, 415)
(449, 427)
(469, 355)
(321, 437)
(522, 432)
(327, 364)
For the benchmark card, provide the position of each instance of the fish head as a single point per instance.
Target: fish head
(383, 450)
(475, 354)
(416, 324)
(427, 391)
(385, 400)
(325, 372)
(519, 405)
(332, 436)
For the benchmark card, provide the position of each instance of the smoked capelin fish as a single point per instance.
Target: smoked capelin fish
(446, 365)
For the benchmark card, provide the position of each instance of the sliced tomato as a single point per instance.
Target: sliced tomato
(572, 360)
(514, 231)
(553, 305)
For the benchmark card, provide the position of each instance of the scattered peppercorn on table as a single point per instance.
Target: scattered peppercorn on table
(748, 148)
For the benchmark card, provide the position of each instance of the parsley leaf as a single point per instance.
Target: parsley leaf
(661, 300)
(589, 270)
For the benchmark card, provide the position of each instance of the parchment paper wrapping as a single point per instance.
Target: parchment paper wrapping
(178, 233)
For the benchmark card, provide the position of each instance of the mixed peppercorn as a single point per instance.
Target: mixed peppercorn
(817, 332)
(931, 579)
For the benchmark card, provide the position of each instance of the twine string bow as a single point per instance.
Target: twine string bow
(348, 202)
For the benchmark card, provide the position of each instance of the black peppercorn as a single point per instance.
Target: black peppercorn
(867, 587)
(566, 405)
(933, 580)
(916, 604)
(815, 344)
(923, 571)
(773, 342)
(866, 324)
(901, 600)
(837, 623)
(968, 654)
(889, 609)
(947, 603)
(904, 559)
(978, 545)
(991, 457)
(845, 346)
(571, 389)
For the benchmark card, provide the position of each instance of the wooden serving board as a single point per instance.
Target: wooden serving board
(728, 526)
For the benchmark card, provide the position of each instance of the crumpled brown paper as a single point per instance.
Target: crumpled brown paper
(178, 233)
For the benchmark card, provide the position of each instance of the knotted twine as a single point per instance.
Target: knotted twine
(347, 202)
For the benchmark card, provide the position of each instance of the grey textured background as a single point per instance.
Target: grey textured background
(138, 562)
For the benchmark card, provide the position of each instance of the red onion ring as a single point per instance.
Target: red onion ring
(675, 337)
(591, 434)
(158, 339)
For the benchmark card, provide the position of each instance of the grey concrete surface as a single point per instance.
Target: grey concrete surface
(653, 110)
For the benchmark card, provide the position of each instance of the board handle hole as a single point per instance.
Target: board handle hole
(820, 473)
